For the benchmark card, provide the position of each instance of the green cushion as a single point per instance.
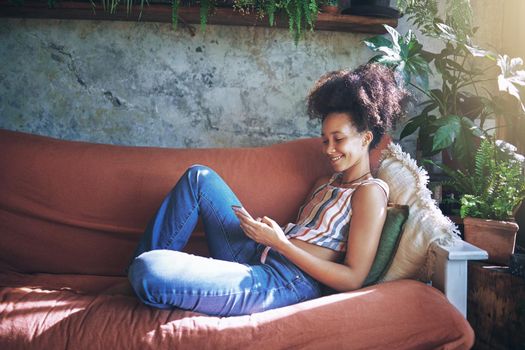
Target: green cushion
(396, 216)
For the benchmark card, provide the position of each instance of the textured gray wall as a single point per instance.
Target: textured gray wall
(137, 83)
(144, 84)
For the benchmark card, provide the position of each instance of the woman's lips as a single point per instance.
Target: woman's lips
(335, 159)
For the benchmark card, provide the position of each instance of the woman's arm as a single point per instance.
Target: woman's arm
(368, 216)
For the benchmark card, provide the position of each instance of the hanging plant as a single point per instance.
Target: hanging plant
(301, 15)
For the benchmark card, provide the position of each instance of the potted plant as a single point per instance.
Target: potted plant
(330, 6)
(476, 84)
(492, 192)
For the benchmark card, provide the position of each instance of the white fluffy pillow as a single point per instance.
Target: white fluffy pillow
(425, 224)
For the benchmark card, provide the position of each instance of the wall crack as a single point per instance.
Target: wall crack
(71, 64)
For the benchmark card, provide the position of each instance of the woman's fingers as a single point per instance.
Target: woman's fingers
(262, 230)
(268, 221)
(272, 223)
(248, 225)
(249, 222)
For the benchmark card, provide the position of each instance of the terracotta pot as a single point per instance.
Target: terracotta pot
(498, 238)
(333, 10)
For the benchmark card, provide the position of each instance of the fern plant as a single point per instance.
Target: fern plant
(495, 187)
(301, 14)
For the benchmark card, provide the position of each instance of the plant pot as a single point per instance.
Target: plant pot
(331, 9)
(498, 238)
(372, 8)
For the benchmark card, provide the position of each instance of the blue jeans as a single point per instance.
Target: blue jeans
(233, 281)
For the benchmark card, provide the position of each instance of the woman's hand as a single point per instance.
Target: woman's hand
(262, 230)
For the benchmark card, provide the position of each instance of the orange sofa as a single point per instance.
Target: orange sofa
(71, 214)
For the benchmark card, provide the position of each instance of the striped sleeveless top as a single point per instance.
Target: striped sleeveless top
(324, 219)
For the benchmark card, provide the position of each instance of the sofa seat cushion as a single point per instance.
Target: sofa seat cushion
(82, 284)
(402, 314)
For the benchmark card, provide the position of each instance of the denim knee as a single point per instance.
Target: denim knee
(198, 176)
(196, 171)
(143, 276)
(136, 274)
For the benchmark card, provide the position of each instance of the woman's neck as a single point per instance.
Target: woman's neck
(355, 175)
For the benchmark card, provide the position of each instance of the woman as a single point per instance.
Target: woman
(256, 265)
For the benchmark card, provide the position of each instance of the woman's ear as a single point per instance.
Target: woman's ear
(367, 138)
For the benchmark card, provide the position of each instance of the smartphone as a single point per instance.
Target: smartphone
(241, 210)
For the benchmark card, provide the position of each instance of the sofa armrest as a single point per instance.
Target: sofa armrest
(450, 273)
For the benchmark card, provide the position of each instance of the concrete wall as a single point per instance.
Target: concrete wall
(137, 83)
(145, 84)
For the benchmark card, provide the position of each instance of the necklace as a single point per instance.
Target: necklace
(354, 180)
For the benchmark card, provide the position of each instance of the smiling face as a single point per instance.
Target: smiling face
(346, 148)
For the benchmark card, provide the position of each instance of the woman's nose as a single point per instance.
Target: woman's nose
(329, 148)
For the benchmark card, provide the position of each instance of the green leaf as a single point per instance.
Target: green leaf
(414, 46)
(426, 134)
(174, 13)
(395, 37)
(447, 130)
(498, 182)
(447, 32)
(388, 61)
(271, 8)
(402, 54)
(412, 125)
(479, 52)
(204, 10)
(377, 41)
(420, 69)
(430, 105)
(465, 143)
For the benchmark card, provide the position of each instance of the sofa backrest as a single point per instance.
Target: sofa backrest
(77, 207)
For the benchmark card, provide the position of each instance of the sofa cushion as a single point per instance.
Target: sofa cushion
(396, 216)
(396, 315)
(425, 223)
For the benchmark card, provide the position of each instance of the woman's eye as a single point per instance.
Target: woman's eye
(325, 142)
(339, 140)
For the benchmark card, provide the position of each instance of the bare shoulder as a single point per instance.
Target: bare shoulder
(373, 189)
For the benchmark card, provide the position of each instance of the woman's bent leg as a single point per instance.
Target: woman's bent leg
(199, 192)
(168, 279)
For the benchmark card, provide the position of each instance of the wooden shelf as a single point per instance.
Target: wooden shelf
(187, 15)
